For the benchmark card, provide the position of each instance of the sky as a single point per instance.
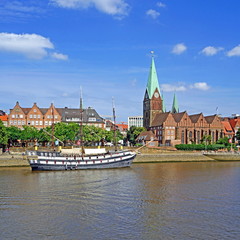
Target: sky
(49, 49)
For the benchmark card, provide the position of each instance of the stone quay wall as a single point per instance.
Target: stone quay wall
(19, 160)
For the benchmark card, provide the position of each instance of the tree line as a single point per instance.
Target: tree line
(66, 133)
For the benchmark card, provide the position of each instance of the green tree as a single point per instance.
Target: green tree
(133, 133)
(29, 134)
(238, 135)
(14, 134)
(224, 141)
(3, 134)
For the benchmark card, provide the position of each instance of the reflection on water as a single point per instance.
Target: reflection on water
(146, 201)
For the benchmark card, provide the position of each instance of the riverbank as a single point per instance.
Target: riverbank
(19, 160)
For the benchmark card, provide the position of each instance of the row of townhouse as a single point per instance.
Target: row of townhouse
(44, 117)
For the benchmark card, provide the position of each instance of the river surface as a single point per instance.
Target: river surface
(146, 201)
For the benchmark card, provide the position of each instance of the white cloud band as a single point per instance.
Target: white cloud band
(30, 45)
(112, 7)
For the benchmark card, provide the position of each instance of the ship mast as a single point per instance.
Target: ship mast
(114, 126)
(81, 123)
(53, 127)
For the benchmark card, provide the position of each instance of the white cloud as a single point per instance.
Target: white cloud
(181, 87)
(152, 13)
(30, 45)
(172, 88)
(160, 4)
(179, 48)
(210, 51)
(234, 52)
(59, 56)
(112, 7)
(200, 86)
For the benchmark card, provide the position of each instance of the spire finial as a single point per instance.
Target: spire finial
(152, 54)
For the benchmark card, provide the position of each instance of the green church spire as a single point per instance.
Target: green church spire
(163, 104)
(152, 80)
(175, 108)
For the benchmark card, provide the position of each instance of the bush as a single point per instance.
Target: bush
(199, 147)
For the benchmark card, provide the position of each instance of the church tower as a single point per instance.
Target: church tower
(152, 103)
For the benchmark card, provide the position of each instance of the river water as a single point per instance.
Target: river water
(146, 201)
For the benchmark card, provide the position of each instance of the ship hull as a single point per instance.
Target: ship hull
(43, 161)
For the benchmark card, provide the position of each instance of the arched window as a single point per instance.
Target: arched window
(182, 137)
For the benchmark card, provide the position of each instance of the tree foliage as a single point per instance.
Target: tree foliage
(67, 133)
(133, 133)
(3, 134)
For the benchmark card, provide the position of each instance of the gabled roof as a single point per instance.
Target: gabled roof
(178, 116)
(152, 84)
(26, 110)
(4, 118)
(2, 113)
(227, 127)
(88, 113)
(146, 136)
(122, 126)
(195, 117)
(210, 119)
(234, 122)
(160, 118)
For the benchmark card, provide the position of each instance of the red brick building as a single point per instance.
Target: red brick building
(175, 127)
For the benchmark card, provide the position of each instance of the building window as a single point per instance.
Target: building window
(32, 122)
(19, 122)
(37, 123)
(23, 122)
(31, 116)
(15, 122)
(40, 123)
(182, 137)
(13, 116)
(46, 122)
(35, 116)
(34, 110)
(39, 116)
(92, 119)
(21, 116)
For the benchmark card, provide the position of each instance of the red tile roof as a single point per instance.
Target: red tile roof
(4, 117)
(227, 127)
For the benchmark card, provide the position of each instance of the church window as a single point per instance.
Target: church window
(182, 137)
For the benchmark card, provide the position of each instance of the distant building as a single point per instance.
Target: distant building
(4, 118)
(136, 121)
(44, 117)
(89, 115)
(123, 128)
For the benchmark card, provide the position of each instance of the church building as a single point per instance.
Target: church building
(175, 127)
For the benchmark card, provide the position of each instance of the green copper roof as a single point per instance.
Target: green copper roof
(163, 104)
(175, 108)
(152, 80)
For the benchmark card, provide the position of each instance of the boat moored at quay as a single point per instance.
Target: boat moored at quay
(40, 160)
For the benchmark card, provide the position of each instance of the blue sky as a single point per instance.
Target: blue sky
(49, 48)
